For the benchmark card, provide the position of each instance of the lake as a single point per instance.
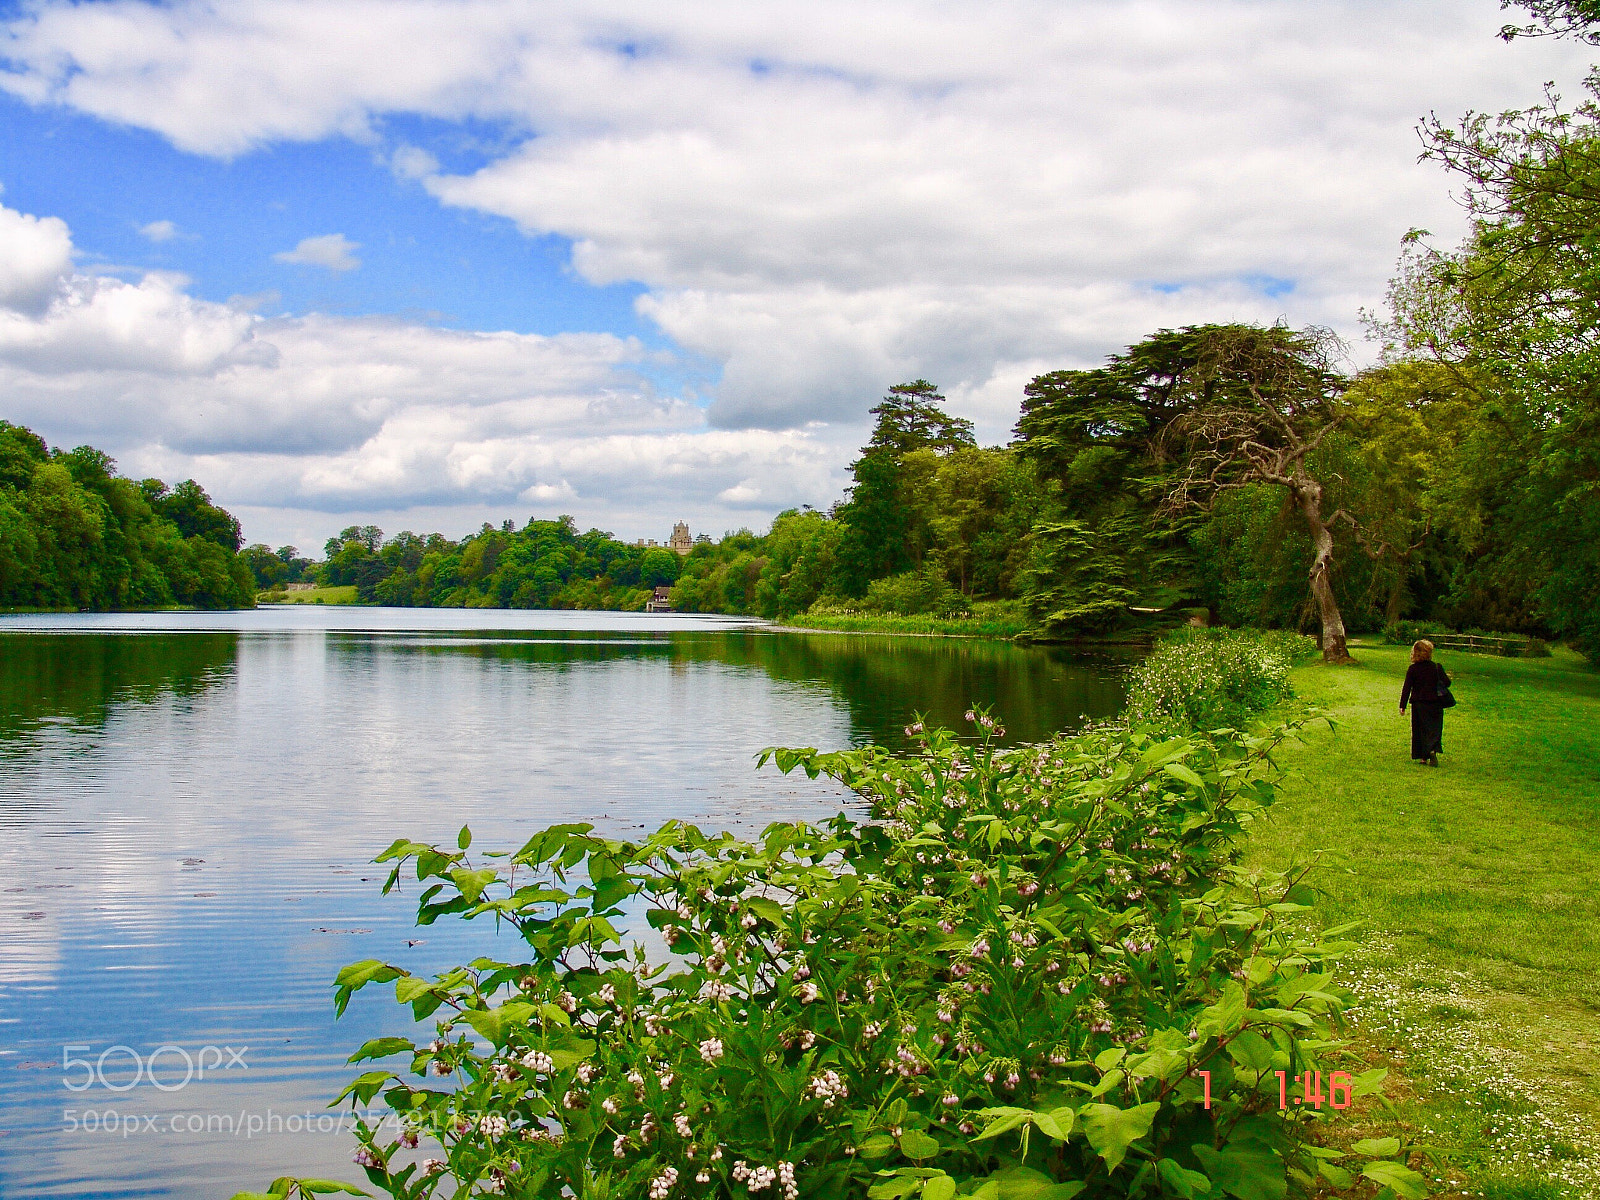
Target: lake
(190, 802)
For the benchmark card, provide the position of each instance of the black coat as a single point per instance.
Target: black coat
(1423, 680)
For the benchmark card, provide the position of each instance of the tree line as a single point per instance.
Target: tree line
(1228, 467)
(76, 535)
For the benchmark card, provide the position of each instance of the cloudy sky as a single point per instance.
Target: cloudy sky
(427, 263)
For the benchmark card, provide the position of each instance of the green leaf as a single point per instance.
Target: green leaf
(1251, 1051)
(1055, 1125)
(1186, 1183)
(940, 1187)
(364, 1087)
(472, 883)
(1177, 770)
(356, 976)
(1336, 1176)
(410, 987)
(1248, 1169)
(1377, 1147)
(382, 1048)
(1006, 1119)
(916, 1144)
(1024, 1183)
(497, 1024)
(1107, 1059)
(464, 838)
(565, 1060)
(894, 1188)
(1368, 1082)
(1227, 1014)
(1407, 1184)
(767, 910)
(323, 1186)
(879, 1145)
(1111, 1130)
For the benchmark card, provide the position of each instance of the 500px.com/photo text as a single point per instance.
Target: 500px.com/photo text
(168, 1067)
(117, 1123)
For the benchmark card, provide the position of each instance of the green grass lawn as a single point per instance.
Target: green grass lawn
(321, 595)
(1478, 888)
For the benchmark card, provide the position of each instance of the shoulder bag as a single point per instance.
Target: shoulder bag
(1442, 688)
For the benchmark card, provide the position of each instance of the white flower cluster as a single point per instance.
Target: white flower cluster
(538, 1061)
(759, 1179)
(828, 1087)
(366, 1156)
(663, 1183)
(492, 1126)
(711, 1050)
(716, 991)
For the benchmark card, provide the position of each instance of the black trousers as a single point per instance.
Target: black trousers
(1427, 730)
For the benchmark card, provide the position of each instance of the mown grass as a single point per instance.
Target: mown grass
(988, 619)
(321, 595)
(1478, 888)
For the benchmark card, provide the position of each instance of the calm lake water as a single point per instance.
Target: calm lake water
(189, 804)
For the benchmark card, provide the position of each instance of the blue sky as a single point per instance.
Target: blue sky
(418, 259)
(640, 262)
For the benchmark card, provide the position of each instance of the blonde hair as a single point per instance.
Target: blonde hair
(1422, 651)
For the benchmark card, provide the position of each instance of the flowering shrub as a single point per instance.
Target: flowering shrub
(1038, 975)
(1206, 678)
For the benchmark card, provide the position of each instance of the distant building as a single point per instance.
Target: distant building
(661, 602)
(680, 540)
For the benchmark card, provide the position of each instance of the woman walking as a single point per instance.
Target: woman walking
(1427, 689)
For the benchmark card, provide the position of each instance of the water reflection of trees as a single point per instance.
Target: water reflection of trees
(1036, 691)
(881, 681)
(81, 677)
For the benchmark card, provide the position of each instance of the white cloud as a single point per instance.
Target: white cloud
(331, 250)
(342, 417)
(159, 231)
(35, 253)
(413, 162)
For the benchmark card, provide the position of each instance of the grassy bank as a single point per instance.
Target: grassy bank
(990, 619)
(1478, 891)
(321, 595)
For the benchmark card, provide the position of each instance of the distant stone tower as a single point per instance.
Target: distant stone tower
(680, 540)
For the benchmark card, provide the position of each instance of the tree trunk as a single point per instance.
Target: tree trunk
(1397, 593)
(1308, 493)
